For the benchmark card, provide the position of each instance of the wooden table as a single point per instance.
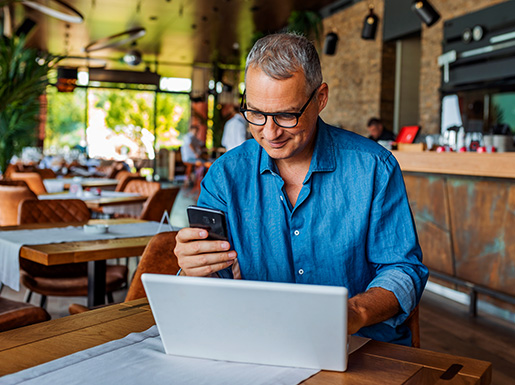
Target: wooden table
(86, 182)
(375, 363)
(98, 204)
(94, 252)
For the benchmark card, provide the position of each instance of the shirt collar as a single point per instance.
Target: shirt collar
(323, 159)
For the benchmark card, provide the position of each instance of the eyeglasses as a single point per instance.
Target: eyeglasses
(282, 119)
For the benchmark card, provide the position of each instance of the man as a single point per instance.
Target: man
(235, 130)
(310, 203)
(191, 148)
(377, 131)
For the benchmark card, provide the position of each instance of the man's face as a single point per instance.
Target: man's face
(375, 130)
(266, 94)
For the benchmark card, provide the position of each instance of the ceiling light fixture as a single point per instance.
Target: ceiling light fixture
(111, 41)
(70, 14)
(425, 12)
(132, 58)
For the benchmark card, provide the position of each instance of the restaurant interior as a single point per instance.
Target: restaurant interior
(99, 98)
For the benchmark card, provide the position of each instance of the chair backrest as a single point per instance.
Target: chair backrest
(53, 211)
(125, 178)
(10, 169)
(46, 173)
(159, 202)
(142, 187)
(10, 197)
(15, 314)
(33, 179)
(413, 324)
(158, 257)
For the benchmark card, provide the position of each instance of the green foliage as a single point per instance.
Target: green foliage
(131, 111)
(307, 23)
(65, 117)
(22, 81)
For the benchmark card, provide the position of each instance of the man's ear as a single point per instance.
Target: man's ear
(323, 96)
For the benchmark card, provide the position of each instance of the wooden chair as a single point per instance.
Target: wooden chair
(67, 280)
(160, 201)
(14, 314)
(142, 187)
(12, 193)
(158, 258)
(125, 177)
(46, 173)
(33, 180)
(413, 324)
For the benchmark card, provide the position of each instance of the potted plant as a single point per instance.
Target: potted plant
(23, 79)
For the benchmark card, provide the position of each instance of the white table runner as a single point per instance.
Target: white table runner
(12, 241)
(88, 196)
(139, 358)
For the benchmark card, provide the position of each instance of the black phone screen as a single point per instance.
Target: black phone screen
(209, 219)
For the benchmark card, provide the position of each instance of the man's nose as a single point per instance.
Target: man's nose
(271, 130)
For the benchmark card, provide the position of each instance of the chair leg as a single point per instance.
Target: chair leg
(42, 302)
(28, 296)
(110, 298)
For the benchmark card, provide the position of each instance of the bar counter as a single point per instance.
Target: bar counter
(464, 209)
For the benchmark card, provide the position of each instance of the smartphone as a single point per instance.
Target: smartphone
(209, 219)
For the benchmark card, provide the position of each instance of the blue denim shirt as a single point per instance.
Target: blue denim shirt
(351, 225)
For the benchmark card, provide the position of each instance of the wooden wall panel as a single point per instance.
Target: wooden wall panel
(428, 200)
(466, 226)
(479, 211)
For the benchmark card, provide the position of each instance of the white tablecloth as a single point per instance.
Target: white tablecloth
(139, 358)
(88, 196)
(12, 241)
(133, 210)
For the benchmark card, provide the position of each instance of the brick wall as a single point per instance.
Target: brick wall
(354, 72)
(359, 86)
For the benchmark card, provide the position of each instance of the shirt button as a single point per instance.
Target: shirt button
(301, 271)
(296, 232)
(281, 197)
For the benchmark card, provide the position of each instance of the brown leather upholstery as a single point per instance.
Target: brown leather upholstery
(15, 314)
(10, 169)
(53, 211)
(75, 286)
(9, 182)
(413, 324)
(67, 279)
(10, 197)
(142, 187)
(33, 179)
(46, 173)
(125, 178)
(158, 258)
(159, 202)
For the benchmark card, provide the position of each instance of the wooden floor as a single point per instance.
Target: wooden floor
(445, 326)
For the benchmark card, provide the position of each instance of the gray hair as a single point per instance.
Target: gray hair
(281, 55)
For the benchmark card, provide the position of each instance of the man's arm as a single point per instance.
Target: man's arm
(369, 308)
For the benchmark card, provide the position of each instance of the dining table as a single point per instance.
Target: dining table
(105, 202)
(60, 184)
(373, 363)
(94, 251)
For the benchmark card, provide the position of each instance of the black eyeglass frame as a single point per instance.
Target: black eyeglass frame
(274, 114)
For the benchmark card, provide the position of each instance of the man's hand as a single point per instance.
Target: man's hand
(199, 257)
(369, 308)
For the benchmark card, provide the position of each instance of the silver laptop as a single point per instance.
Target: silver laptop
(248, 321)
